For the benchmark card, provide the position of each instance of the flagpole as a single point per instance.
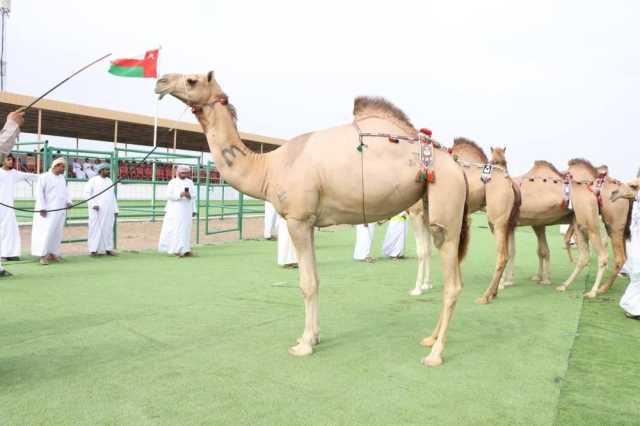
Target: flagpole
(155, 140)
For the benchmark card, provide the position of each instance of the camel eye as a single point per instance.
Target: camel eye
(634, 187)
(191, 81)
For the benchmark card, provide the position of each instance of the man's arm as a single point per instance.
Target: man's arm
(10, 131)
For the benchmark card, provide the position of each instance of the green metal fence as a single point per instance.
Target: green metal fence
(208, 209)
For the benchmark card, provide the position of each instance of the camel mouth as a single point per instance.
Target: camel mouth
(162, 87)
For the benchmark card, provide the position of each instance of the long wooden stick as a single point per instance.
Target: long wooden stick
(64, 81)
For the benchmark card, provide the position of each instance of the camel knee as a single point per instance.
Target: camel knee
(438, 233)
(543, 252)
(309, 291)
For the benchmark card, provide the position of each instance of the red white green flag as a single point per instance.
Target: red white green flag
(146, 67)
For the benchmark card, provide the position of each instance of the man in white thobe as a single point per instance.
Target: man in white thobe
(630, 301)
(51, 194)
(8, 136)
(175, 236)
(396, 236)
(10, 246)
(103, 210)
(287, 257)
(364, 239)
(88, 169)
(77, 169)
(270, 220)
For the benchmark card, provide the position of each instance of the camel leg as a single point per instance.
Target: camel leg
(452, 288)
(502, 254)
(543, 256)
(423, 250)
(582, 242)
(302, 237)
(620, 257)
(603, 258)
(507, 277)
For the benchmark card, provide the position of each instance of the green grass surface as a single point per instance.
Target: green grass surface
(148, 339)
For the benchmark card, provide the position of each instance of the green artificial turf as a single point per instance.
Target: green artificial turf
(149, 339)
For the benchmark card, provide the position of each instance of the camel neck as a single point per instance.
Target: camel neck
(238, 165)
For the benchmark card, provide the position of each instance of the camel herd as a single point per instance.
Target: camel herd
(380, 165)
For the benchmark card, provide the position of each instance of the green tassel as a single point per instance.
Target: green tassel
(360, 147)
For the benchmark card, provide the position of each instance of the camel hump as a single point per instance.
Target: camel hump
(371, 105)
(462, 146)
(585, 165)
(539, 165)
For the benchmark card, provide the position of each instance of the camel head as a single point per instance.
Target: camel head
(498, 156)
(195, 90)
(627, 190)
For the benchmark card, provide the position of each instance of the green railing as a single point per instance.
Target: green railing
(208, 209)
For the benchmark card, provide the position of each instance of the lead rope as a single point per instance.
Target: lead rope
(360, 148)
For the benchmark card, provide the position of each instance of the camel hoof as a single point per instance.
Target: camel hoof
(535, 278)
(428, 341)
(506, 284)
(432, 360)
(314, 341)
(561, 288)
(415, 292)
(301, 349)
(590, 295)
(483, 300)
(545, 282)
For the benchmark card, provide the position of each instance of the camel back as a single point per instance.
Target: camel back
(469, 150)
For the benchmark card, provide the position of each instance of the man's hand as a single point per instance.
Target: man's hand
(43, 213)
(17, 117)
(185, 194)
(193, 214)
(96, 208)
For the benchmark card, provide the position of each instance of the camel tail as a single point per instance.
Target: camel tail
(567, 241)
(515, 209)
(463, 243)
(627, 225)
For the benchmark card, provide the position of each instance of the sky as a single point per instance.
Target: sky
(547, 79)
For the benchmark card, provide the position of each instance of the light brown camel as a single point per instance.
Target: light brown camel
(338, 176)
(616, 215)
(628, 191)
(490, 189)
(544, 202)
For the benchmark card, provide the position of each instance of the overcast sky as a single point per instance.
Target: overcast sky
(547, 79)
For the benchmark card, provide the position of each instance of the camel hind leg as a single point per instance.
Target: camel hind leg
(507, 276)
(620, 257)
(502, 254)
(452, 287)
(448, 222)
(544, 257)
(420, 222)
(582, 242)
(302, 236)
(603, 258)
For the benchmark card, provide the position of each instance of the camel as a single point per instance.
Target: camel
(490, 189)
(616, 216)
(546, 197)
(355, 173)
(628, 191)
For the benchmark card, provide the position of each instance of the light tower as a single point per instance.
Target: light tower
(5, 8)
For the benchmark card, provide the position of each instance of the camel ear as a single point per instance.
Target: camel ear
(210, 76)
(491, 149)
(504, 149)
